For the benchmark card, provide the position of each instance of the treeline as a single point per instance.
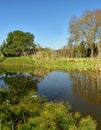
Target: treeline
(84, 36)
(77, 51)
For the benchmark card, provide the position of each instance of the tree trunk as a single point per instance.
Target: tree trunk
(92, 53)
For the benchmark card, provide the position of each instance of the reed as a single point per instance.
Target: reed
(80, 64)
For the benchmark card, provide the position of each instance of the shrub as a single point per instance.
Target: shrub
(57, 116)
(87, 124)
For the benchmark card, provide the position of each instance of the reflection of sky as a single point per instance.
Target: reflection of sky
(56, 86)
(2, 84)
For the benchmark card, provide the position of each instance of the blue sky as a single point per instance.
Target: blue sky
(47, 19)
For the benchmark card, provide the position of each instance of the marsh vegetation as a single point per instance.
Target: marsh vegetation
(33, 100)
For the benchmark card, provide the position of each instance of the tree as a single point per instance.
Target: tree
(87, 29)
(99, 48)
(70, 47)
(90, 27)
(18, 43)
(87, 26)
(98, 19)
(82, 49)
(74, 31)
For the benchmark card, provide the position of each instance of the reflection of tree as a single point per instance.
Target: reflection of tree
(39, 72)
(87, 85)
(20, 85)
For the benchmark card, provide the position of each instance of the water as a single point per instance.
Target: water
(82, 91)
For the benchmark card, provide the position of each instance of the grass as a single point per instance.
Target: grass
(80, 64)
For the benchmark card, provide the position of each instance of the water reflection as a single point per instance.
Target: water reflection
(82, 91)
(67, 86)
(88, 86)
(56, 86)
(17, 86)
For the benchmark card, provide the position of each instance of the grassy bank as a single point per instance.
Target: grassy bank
(81, 64)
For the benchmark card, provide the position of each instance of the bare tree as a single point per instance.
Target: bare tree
(74, 31)
(87, 29)
(90, 28)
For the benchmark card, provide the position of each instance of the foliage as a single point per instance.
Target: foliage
(87, 124)
(57, 116)
(18, 43)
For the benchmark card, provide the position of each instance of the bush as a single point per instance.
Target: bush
(57, 116)
(87, 124)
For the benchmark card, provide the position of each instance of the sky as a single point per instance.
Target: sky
(48, 20)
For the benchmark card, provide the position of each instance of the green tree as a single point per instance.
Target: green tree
(18, 43)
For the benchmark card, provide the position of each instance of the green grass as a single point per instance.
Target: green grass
(80, 64)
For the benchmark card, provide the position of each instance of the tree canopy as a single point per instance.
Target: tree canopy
(18, 43)
(87, 29)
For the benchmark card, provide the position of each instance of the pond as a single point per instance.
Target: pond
(81, 90)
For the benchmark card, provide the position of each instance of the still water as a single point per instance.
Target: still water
(82, 91)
